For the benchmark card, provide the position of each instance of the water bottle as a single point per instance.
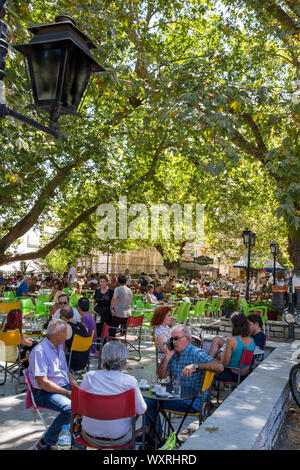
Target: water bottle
(64, 440)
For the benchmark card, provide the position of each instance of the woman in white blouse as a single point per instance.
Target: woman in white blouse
(162, 322)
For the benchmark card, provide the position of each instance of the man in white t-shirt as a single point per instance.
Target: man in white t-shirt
(63, 301)
(71, 275)
(111, 381)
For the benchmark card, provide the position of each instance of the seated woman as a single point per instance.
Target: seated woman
(110, 380)
(14, 322)
(162, 321)
(57, 290)
(150, 297)
(235, 345)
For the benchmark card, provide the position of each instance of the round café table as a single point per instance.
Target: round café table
(186, 394)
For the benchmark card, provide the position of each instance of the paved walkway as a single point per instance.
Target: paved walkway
(18, 431)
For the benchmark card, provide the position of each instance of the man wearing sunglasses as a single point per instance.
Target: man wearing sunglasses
(63, 301)
(183, 362)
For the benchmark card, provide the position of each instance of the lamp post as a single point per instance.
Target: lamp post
(59, 64)
(249, 240)
(274, 251)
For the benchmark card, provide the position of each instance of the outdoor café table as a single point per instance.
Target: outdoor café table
(186, 394)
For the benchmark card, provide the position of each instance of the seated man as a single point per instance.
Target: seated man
(256, 325)
(63, 301)
(88, 321)
(79, 358)
(23, 288)
(183, 362)
(158, 292)
(110, 380)
(51, 381)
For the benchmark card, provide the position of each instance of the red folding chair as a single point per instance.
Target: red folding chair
(133, 341)
(246, 361)
(104, 408)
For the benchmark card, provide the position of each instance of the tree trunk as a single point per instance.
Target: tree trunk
(171, 267)
(294, 249)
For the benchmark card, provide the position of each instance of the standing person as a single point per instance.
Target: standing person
(71, 275)
(128, 277)
(88, 321)
(120, 306)
(51, 381)
(102, 304)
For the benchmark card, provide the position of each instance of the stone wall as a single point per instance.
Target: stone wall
(252, 415)
(278, 331)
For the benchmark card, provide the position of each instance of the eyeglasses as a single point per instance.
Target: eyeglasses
(62, 303)
(176, 338)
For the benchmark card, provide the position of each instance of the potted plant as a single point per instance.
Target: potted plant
(230, 304)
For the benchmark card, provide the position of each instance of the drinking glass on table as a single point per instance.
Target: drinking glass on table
(177, 387)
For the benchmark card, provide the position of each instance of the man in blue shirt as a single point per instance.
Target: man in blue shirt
(183, 362)
(23, 287)
(158, 292)
(1, 278)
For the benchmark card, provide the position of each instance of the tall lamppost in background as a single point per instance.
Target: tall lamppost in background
(59, 64)
(249, 240)
(274, 251)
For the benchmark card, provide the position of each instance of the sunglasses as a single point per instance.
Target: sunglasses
(62, 303)
(176, 338)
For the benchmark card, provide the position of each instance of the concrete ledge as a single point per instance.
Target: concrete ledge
(251, 417)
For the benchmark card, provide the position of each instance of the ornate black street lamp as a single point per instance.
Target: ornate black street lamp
(274, 251)
(249, 240)
(59, 65)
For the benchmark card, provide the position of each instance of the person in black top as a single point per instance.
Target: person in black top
(79, 358)
(256, 325)
(143, 281)
(101, 304)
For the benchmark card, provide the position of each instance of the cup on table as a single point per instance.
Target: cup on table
(143, 383)
(177, 387)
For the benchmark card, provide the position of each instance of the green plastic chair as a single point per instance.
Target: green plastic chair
(198, 311)
(214, 307)
(26, 305)
(68, 291)
(262, 309)
(183, 312)
(74, 300)
(11, 295)
(43, 298)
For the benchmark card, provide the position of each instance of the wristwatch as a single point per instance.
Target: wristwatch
(196, 366)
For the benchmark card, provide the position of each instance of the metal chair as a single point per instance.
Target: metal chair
(133, 341)
(246, 361)
(205, 403)
(11, 357)
(103, 408)
(30, 402)
(80, 344)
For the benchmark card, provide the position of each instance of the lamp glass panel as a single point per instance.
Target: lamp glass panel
(46, 64)
(76, 78)
(246, 236)
(252, 238)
